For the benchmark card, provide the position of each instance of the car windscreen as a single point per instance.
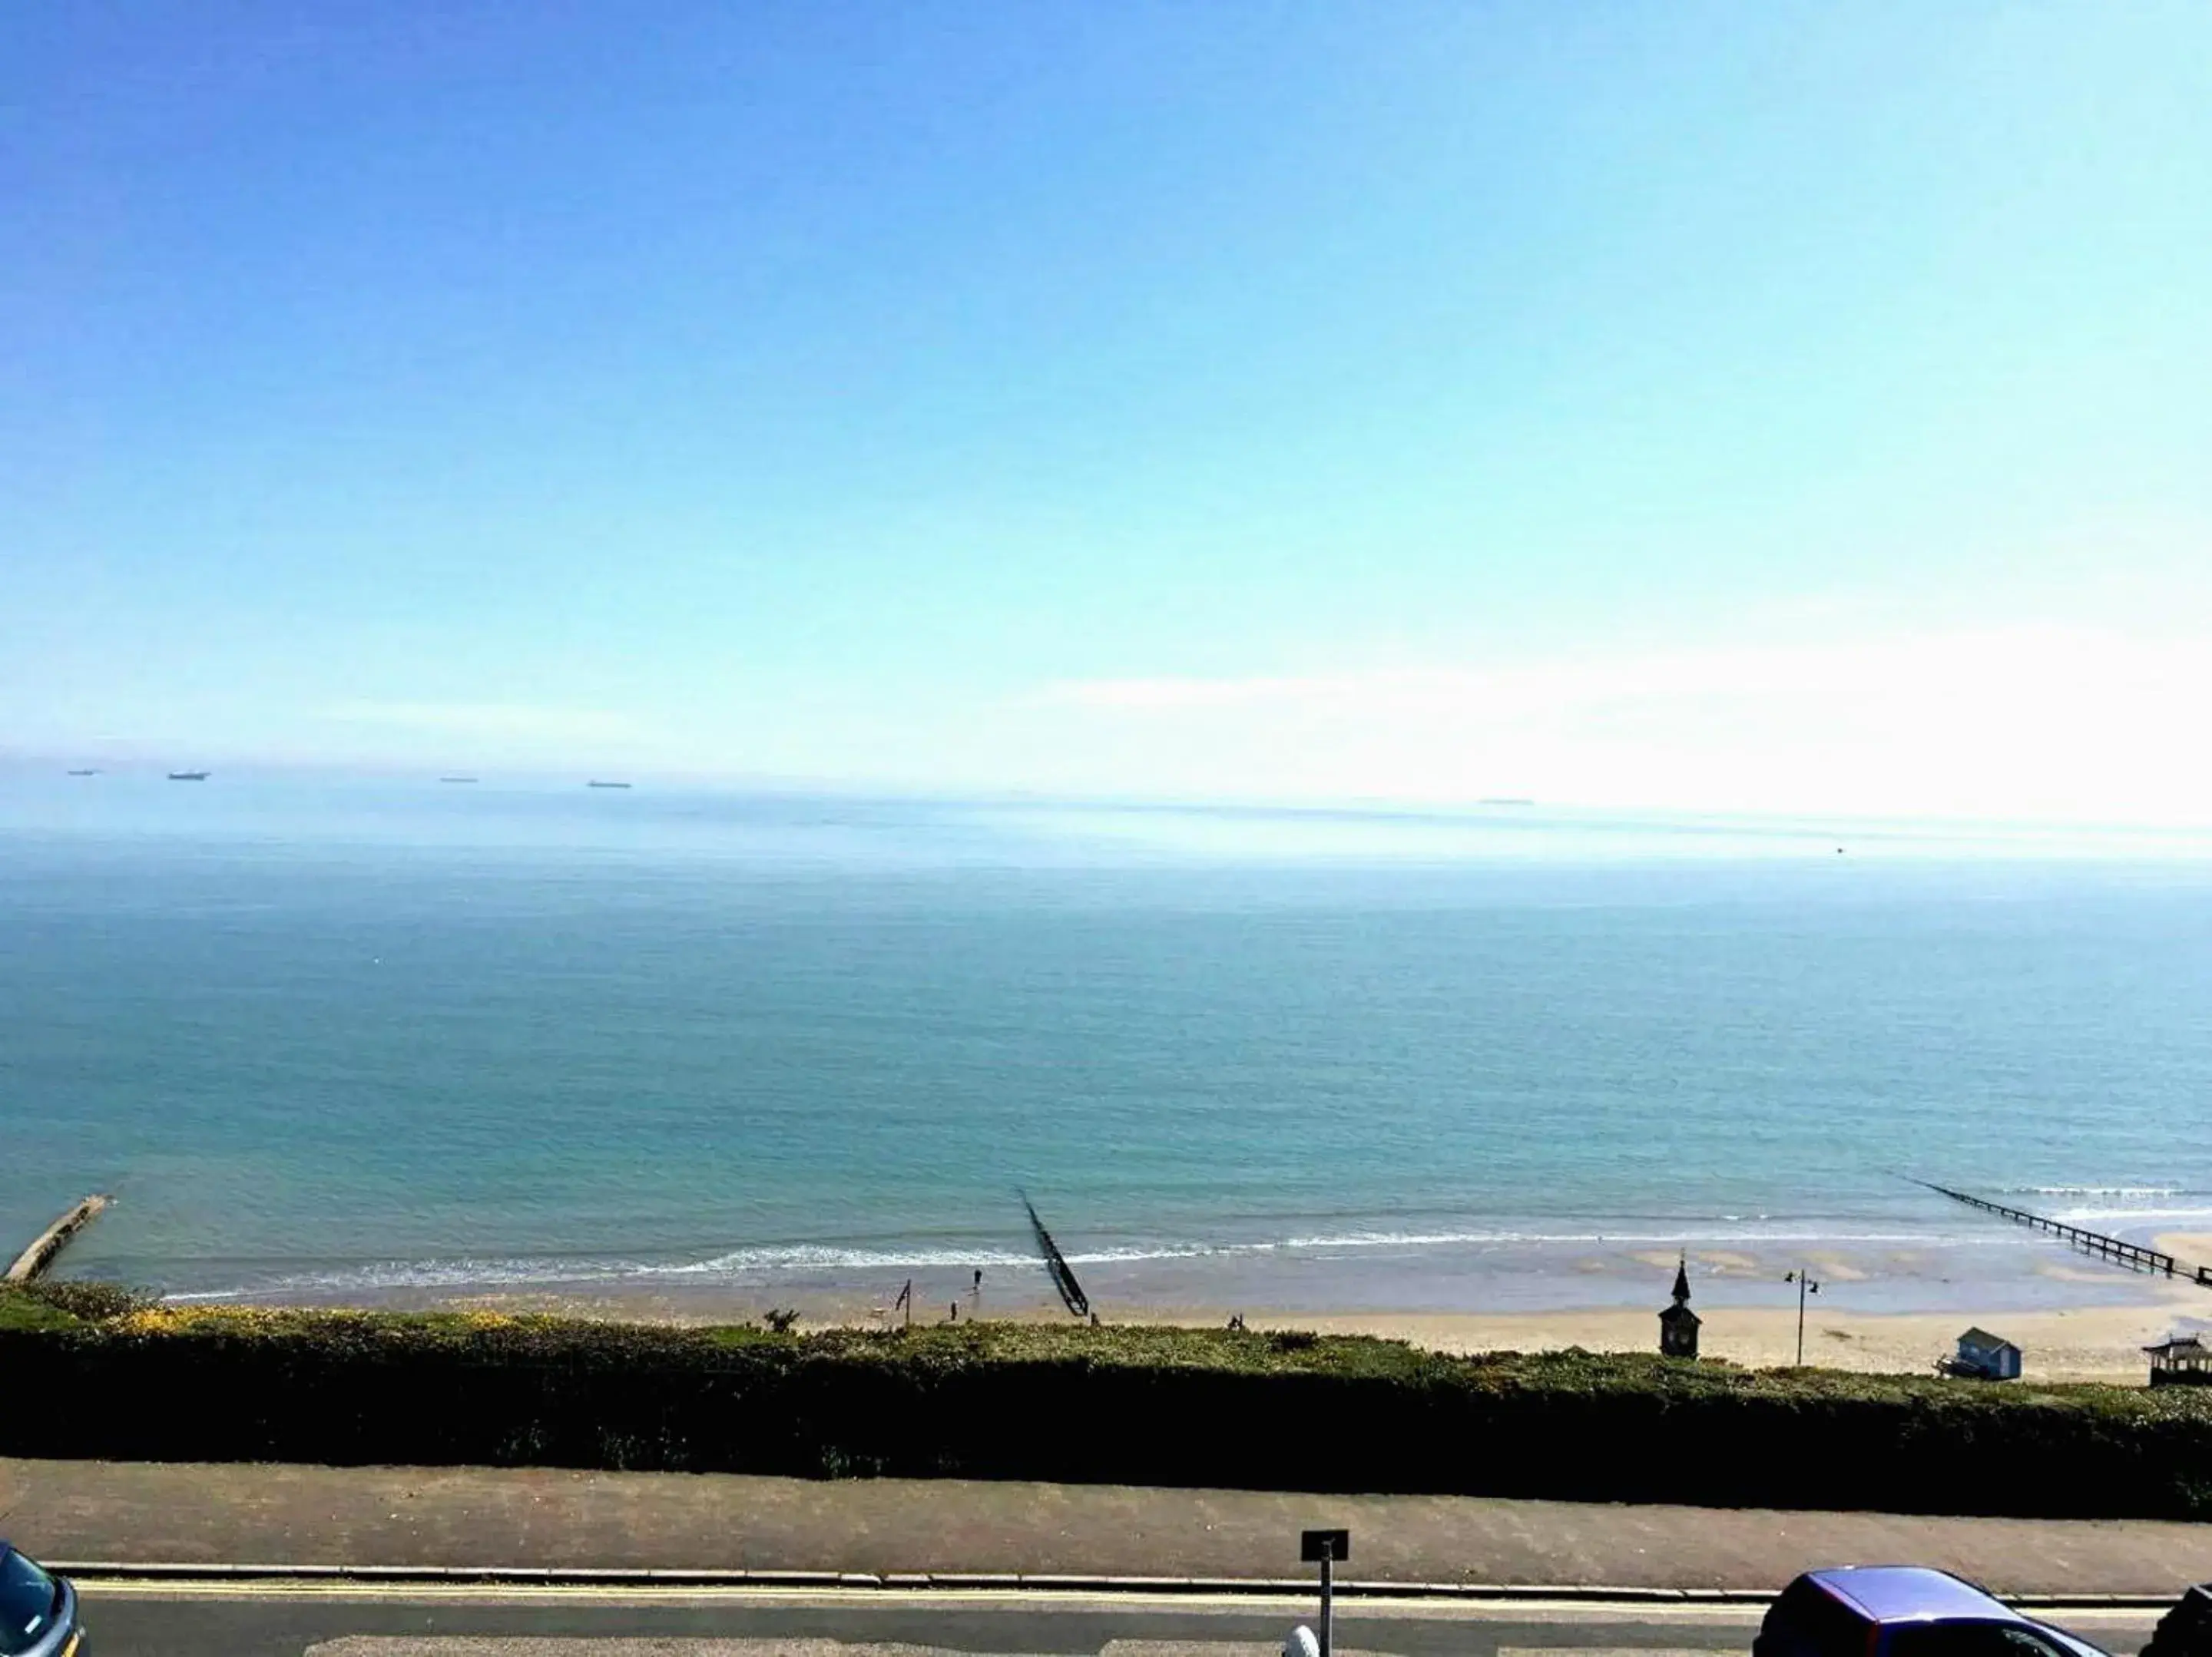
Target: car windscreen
(1966, 1639)
(1809, 1621)
(29, 1601)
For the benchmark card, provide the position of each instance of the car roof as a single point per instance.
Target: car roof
(1911, 1594)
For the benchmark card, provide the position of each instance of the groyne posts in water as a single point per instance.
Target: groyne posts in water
(1055, 1266)
(2119, 1252)
(33, 1260)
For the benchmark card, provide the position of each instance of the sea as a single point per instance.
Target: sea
(344, 1037)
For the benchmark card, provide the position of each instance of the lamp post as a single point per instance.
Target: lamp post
(1805, 1286)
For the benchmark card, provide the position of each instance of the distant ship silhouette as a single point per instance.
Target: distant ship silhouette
(188, 776)
(595, 784)
(84, 774)
(457, 779)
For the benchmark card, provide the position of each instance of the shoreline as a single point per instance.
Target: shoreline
(1997, 1268)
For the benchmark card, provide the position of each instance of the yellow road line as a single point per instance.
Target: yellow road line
(1550, 1611)
(1010, 1599)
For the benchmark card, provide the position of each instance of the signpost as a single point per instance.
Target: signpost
(1327, 1547)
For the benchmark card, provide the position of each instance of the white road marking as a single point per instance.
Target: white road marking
(1619, 1651)
(564, 1646)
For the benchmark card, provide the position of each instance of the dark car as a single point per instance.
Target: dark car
(37, 1610)
(1902, 1611)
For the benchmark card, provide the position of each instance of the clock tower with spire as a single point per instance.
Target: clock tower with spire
(1678, 1324)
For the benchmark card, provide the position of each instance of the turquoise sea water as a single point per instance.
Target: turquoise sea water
(334, 1037)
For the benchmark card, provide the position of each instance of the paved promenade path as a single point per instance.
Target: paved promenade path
(135, 1513)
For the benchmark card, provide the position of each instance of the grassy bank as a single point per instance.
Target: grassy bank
(1140, 1405)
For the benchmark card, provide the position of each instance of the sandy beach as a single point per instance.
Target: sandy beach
(2092, 1324)
(2100, 1343)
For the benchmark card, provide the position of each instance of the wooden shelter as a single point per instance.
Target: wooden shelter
(2182, 1360)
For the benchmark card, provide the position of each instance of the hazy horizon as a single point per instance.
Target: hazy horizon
(307, 811)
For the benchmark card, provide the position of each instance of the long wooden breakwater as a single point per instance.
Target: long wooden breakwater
(39, 1255)
(2118, 1250)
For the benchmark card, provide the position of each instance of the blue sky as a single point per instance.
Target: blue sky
(1774, 407)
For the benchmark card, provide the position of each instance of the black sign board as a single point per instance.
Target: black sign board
(1324, 1545)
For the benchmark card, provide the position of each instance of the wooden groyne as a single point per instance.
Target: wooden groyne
(2134, 1256)
(33, 1260)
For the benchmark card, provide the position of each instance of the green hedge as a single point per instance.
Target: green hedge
(1159, 1407)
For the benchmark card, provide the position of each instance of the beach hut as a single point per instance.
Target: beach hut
(1678, 1324)
(2182, 1360)
(1985, 1356)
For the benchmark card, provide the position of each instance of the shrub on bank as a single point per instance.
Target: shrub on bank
(19, 1310)
(1138, 1406)
(60, 1303)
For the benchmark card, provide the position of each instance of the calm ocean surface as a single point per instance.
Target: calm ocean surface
(336, 1037)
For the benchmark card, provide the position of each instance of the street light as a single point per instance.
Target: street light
(1805, 1286)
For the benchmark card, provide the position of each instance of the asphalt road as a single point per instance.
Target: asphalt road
(229, 1620)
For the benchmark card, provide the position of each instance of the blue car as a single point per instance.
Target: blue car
(37, 1610)
(1902, 1611)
